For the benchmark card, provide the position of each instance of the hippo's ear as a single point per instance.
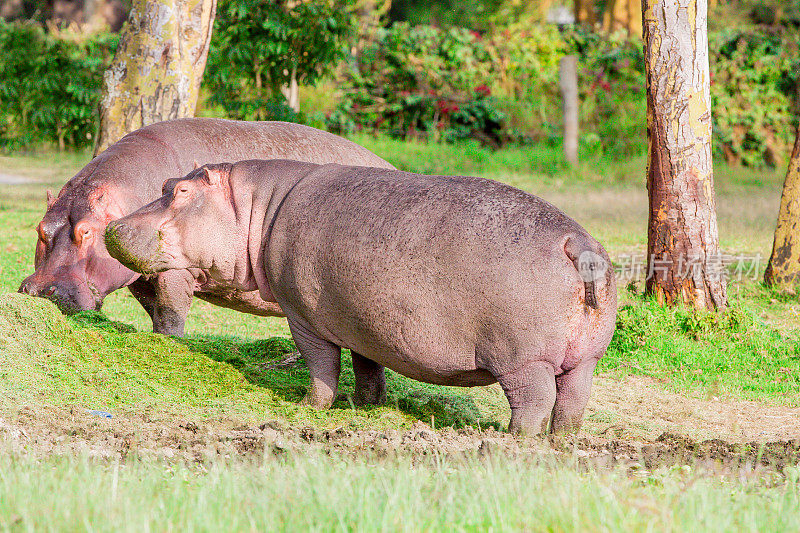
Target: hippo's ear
(213, 175)
(82, 232)
(196, 165)
(50, 199)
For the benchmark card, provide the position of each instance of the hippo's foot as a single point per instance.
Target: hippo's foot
(317, 401)
(323, 359)
(370, 381)
(572, 395)
(531, 393)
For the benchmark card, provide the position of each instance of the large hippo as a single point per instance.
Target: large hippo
(447, 280)
(73, 267)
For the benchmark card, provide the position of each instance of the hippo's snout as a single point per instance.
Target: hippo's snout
(134, 247)
(69, 298)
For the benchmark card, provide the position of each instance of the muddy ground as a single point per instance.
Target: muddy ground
(632, 422)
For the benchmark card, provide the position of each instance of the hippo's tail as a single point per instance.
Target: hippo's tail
(593, 266)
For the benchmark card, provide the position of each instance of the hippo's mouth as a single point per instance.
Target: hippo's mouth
(69, 306)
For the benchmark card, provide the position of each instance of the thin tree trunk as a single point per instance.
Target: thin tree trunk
(292, 92)
(684, 261)
(783, 269)
(633, 22)
(568, 82)
(158, 67)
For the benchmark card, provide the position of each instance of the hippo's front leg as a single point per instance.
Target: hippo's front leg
(174, 292)
(370, 380)
(145, 294)
(323, 359)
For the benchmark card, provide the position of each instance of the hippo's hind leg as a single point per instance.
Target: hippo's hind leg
(572, 395)
(531, 393)
(323, 359)
(370, 381)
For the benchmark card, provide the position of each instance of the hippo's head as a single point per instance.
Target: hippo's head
(73, 268)
(193, 225)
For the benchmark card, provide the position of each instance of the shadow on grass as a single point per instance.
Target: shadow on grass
(269, 363)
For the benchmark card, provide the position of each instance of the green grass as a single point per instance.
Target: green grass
(225, 370)
(734, 353)
(322, 493)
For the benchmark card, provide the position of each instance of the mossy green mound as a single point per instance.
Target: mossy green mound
(90, 361)
(46, 357)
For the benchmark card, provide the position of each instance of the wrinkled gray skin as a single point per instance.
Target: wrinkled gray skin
(447, 280)
(73, 267)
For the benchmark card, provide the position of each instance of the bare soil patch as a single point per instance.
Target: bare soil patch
(12, 179)
(639, 408)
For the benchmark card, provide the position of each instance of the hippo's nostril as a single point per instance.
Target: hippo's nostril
(25, 288)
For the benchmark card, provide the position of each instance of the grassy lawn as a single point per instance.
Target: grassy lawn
(320, 493)
(230, 370)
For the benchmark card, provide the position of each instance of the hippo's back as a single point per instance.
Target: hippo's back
(455, 235)
(233, 140)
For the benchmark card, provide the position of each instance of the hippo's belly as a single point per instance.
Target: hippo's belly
(242, 301)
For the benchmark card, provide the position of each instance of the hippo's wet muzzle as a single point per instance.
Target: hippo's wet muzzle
(70, 297)
(134, 246)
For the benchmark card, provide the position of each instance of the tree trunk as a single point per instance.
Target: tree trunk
(585, 12)
(292, 92)
(568, 82)
(158, 67)
(623, 14)
(684, 261)
(783, 269)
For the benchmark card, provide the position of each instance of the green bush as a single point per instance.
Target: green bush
(753, 94)
(611, 81)
(421, 82)
(425, 82)
(49, 86)
(257, 46)
(416, 82)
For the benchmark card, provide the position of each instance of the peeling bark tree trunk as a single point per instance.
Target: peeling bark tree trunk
(783, 269)
(158, 67)
(684, 261)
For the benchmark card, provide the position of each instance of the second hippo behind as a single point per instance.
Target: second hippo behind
(447, 280)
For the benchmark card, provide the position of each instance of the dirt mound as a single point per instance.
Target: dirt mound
(69, 431)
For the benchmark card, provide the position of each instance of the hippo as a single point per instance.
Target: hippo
(449, 280)
(72, 266)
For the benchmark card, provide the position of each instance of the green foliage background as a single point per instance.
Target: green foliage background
(50, 85)
(496, 84)
(257, 45)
